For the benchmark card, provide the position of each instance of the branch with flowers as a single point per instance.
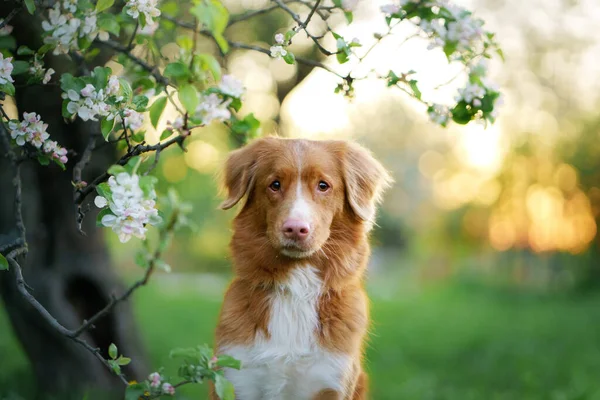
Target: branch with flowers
(196, 85)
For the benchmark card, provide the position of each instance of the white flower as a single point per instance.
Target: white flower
(212, 108)
(133, 119)
(88, 90)
(130, 210)
(113, 86)
(149, 29)
(278, 52)
(89, 26)
(48, 76)
(389, 9)
(178, 123)
(154, 379)
(349, 5)
(32, 130)
(167, 388)
(439, 114)
(6, 29)
(100, 202)
(231, 86)
(146, 7)
(279, 38)
(6, 68)
(470, 92)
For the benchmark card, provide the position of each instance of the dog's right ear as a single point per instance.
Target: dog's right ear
(240, 172)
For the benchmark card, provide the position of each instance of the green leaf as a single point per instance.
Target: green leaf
(224, 388)
(500, 53)
(115, 367)
(289, 35)
(106, 127)
(349, 16)
(135, 391)
(177, 70)
(449, 49)
(140, 102)
(228, 362)
(8, 88)
(415, 89)
(141, 258)
(103, 190)
(8, 42)
(101, 214)
(102, 5)
(147, 184)
(45, 48)
(156, 110)
(116, 169)
(20, 67)
(126, 90)
(139, 136)
(3, 263)
(108, 23)
(101, 77)
(123, 360)
(189, 98)
(25, 51)
(209, 63)
(69, 82)
(289, 58)
(185, 42)
(214, 16)
(30, 5)
(247, 126)
(43, 160)
(461, 114)
(165, 134)
(112, 351)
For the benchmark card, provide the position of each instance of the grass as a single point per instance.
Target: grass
(452, 342)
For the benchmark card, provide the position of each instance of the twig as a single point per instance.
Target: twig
(124, 50)
(135, 151)
(300, 60)
(130, 45)
(304, 24)
(11, 15)
(21, 286)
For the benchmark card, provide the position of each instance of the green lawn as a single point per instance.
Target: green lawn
(454, 342)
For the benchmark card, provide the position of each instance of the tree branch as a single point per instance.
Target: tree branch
(124, 50)
(11, 15)
(135, 151)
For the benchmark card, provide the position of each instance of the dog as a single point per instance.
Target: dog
(296, 314)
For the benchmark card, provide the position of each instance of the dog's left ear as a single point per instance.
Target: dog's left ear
(365, 180)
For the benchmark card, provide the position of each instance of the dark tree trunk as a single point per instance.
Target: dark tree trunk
(70, 274)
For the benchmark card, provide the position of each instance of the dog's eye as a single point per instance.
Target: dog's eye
(323, 186)
(275, 186)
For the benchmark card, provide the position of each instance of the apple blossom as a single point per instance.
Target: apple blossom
(278, 51)
(167, 388)
(6, 68)
(231, 86)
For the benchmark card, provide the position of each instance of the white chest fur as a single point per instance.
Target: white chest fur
(289, 364)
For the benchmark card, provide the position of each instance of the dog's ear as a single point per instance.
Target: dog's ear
(365, 180)
(240, 172)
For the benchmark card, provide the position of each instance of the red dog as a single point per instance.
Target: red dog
(296, 314)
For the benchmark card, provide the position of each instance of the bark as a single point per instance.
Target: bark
(70, 274)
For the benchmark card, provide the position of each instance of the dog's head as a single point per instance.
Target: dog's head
(296, 189)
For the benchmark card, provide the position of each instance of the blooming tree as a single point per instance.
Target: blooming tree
(196, 84)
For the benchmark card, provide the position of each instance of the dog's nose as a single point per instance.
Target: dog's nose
(295, 229)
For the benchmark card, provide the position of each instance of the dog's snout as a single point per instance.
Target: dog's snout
(295, 229)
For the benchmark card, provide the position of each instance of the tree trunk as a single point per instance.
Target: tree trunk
(70, 274)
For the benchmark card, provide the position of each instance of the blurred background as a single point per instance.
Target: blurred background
(485, 275)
